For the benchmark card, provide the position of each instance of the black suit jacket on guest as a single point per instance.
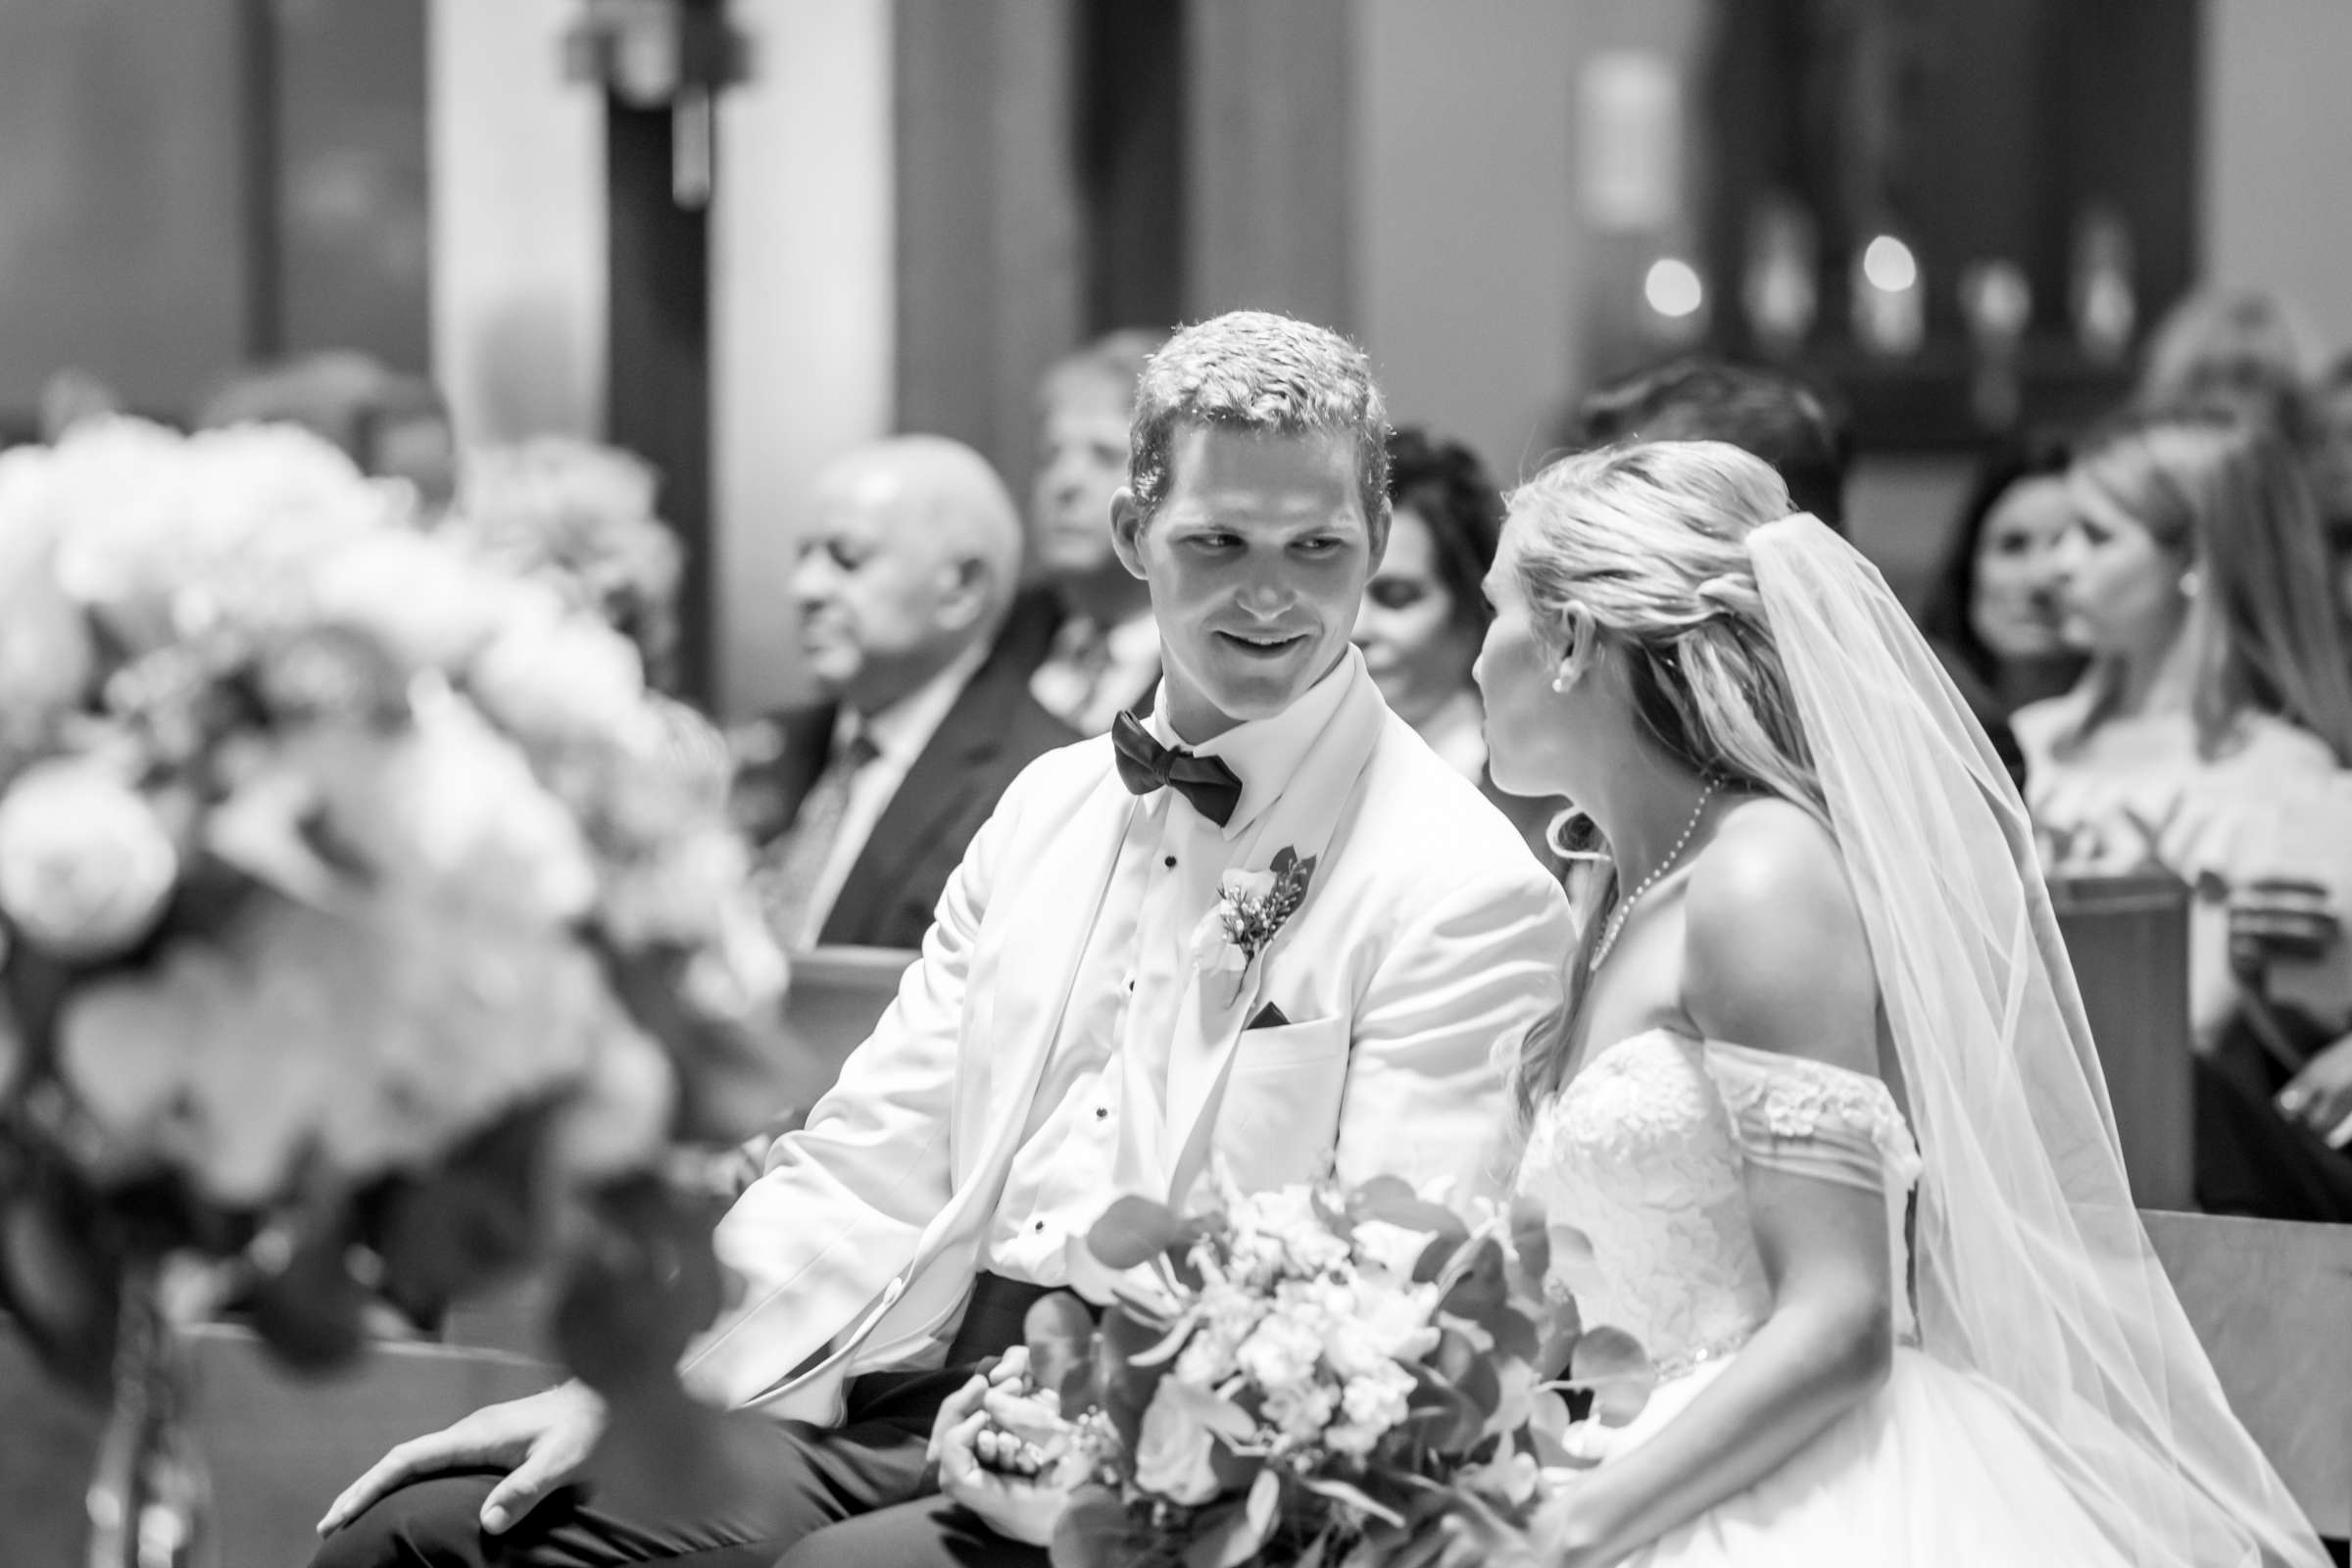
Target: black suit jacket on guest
(994, 730)
(1027, 640)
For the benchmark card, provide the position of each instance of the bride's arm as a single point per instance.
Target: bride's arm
(1775, 959)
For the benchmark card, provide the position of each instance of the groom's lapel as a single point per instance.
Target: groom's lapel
(1046, 935)
(1211, 1016)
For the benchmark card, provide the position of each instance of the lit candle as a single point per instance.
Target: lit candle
(1890, 309)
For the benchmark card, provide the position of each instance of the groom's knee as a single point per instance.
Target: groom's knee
(928, 1533)
(436, 1520)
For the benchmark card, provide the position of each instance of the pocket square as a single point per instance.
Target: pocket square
(1268, 1016)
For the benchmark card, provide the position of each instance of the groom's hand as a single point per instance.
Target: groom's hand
(1005, 1453)
(542, 1441)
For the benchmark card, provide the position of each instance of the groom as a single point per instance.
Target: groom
(1077, 1026)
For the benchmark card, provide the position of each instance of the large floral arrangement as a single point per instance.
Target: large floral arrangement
(1307, 1375)
(582, 518)
(365, 921)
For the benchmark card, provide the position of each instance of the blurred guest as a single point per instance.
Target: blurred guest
(2218, 344)
(1084, 632)
(2216, 693)
(1424, 617)
(70, 396)
(1773, 416)
(1991, 615)
(868, 804)
(1807, 440)
(2331, 412)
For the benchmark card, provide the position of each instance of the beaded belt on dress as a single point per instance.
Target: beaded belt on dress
(1684, 1363)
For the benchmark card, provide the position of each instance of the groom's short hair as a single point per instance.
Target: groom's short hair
(1259, 373)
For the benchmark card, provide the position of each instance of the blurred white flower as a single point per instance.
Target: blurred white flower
(679, 895)
(453, 806)
(366, 1043)
(163, 537)
(742, 972)
(1173, 1451)
(1378, 1397)
(429, 604)
(1389, 1247)
(1300, 1411)
(558, 678)
(1280, 1353)
(582, 517)
(1392, 1322)
(86, 865)
(1283, 1223)
(1238, 885)
(47, 657)
(1214, 951)
(621, 1113)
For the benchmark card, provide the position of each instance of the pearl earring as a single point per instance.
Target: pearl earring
(2191, 582)
(1559, 683)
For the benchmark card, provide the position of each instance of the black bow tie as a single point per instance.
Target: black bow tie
(1146, 765)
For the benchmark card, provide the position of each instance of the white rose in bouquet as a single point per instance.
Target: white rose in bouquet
(1173, 1451)
(1390, 1249)
(1385, 1324)
(86, 865)
(1300, 1412)
(1281, 1351)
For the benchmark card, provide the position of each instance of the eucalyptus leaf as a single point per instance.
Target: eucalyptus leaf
(1613, 1367)
(1096, 1530)
(1354, 1497)
(1134, 1230)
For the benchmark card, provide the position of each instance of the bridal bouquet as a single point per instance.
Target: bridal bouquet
(362, 913)
(1301, 1376)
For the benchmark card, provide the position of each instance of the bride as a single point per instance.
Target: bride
(1819, 934)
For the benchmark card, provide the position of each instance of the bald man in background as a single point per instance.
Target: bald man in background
(866, 802)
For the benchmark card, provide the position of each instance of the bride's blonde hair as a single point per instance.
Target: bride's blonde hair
(1648, 545)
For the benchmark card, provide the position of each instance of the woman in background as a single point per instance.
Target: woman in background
(1424, 617)
(1990, 617)
(2206, 738)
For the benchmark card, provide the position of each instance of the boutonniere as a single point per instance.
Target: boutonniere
(1250, 906)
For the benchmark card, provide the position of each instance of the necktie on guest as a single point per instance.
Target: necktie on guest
(792, 867)
(1144, 765)
(1067, 681)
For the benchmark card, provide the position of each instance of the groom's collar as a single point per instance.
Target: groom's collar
(1266, 751)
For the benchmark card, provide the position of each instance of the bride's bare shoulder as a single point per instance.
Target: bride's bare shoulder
(1775, 955)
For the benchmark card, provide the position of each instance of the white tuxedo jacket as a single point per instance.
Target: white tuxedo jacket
(1429, 941)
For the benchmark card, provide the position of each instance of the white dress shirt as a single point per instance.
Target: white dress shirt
(1095, 1126)
(898, 734)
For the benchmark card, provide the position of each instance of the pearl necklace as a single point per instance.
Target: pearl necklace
(1615, 924)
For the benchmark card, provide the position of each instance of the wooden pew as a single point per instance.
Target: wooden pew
(2273, 1303)
(2128, 937)
(837, 996)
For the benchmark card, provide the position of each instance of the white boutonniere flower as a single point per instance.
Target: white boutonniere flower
(1250, 907)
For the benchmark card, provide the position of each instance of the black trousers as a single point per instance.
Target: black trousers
(858, 1492)
(2250, 1159)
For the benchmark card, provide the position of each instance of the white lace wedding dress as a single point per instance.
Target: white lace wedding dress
(1638, 1164)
